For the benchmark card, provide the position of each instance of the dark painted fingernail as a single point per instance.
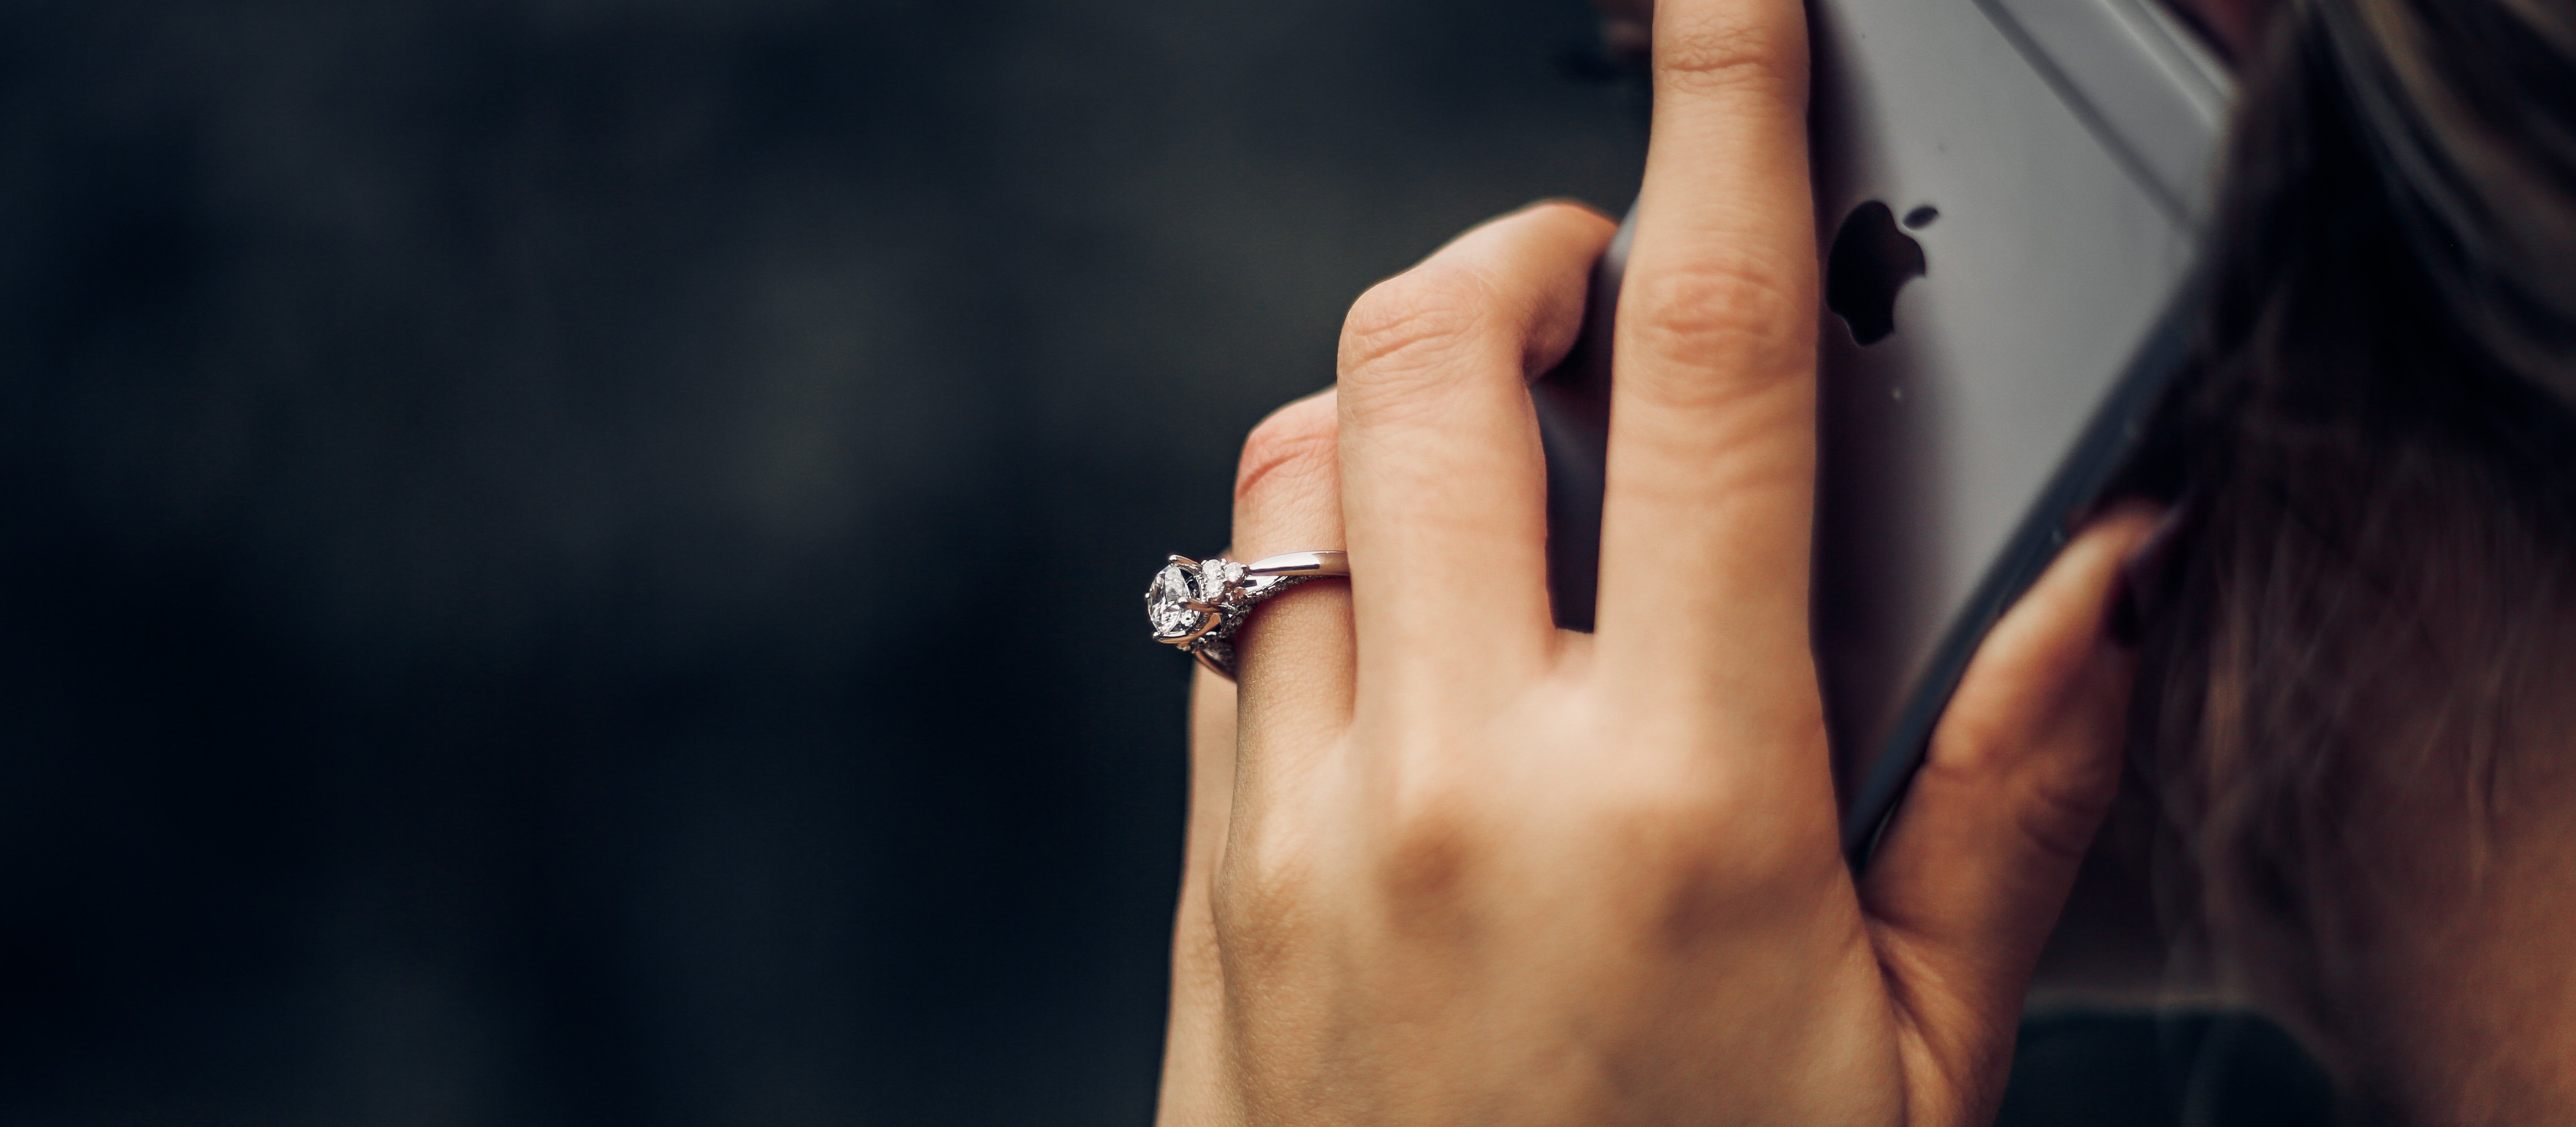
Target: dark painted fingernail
(2128, 626)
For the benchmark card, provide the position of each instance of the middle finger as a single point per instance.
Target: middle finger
(1710, 480)
(1443, 486)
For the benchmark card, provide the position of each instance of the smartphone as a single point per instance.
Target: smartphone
(2010, 195)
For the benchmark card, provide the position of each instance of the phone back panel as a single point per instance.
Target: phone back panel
(2049, 158)
(2049, 261)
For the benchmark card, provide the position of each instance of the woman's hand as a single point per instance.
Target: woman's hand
(1448, 864)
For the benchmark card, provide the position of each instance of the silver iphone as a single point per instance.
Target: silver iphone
(2010, 194)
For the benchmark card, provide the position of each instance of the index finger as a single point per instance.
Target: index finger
(1710, 478)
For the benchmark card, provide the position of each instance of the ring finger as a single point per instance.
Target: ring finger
(1293, 659)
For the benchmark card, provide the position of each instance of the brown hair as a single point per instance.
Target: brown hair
(2375, 460)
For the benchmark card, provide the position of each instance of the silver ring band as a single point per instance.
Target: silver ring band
(1199, 604)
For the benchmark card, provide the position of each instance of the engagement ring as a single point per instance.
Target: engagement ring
(1198, 604)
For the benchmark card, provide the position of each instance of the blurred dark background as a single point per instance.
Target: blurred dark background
(577, 561)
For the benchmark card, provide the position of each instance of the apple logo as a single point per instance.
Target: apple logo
(1870, 261)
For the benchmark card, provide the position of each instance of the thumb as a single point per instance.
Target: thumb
(1970, 877)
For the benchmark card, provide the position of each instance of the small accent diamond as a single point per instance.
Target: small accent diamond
(1216, 580)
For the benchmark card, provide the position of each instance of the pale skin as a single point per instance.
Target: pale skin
(1449, 864)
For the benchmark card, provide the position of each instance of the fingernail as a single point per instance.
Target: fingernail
(2128, 626)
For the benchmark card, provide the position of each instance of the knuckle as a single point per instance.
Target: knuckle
(1740, 315)
(1295, 443)
(1407, 331)
(1725, 54)
(1969, 752)
(2058, 817)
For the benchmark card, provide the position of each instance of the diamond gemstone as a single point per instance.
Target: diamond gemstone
(1166, 603)
(1214, 577)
